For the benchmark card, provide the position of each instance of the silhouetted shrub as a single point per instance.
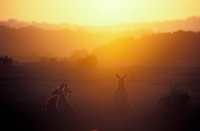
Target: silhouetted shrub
(89, 60)
(78, 54)
(6, 61)
(176, 101)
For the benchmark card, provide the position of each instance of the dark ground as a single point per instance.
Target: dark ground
(25, 88)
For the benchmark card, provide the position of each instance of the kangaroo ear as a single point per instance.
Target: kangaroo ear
(124, 76)
(118, 77)
(55, 92)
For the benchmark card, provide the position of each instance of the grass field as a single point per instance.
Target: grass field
(25, 88)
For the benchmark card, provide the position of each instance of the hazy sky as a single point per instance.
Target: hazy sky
(98, 12)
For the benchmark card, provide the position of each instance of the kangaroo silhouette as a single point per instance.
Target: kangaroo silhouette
(121, 100)
(64, 107)
(51, 105)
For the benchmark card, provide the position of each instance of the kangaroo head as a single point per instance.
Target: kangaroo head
(58, 92)
(62, 85)
(67, 90)
(121, 83)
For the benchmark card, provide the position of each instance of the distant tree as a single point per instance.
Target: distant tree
(88, 61)
(6, 61)
(176, 101)
(78, 54)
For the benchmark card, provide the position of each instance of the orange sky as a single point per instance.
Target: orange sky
(98, 12)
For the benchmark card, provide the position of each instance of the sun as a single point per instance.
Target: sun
(110, 6)
(108, 11)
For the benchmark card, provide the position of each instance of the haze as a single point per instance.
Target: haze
(84, 44)
(98, 12)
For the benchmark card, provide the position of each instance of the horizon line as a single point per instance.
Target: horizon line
(74, 24)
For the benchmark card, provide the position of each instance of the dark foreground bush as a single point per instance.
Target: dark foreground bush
(6, 61)
(176, 101)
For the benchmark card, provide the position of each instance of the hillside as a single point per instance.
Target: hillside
(31, 40)
(178, 47)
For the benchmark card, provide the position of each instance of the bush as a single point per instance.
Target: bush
(88, 61)
(6, 61)
(175, 101)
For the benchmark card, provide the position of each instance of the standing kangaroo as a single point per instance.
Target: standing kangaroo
(121, 101)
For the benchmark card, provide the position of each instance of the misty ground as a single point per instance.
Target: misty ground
(25, 88)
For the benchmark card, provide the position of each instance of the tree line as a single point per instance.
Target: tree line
(174, 47)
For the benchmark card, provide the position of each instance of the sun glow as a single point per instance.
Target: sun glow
(109, 7)
(108, 11)
(98, 12)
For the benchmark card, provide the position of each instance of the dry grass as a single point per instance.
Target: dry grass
(25, 89)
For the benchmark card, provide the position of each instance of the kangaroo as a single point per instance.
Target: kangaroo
(64, 107)
(51, 105)
(67, 115)
(62, 114)
(121, 100)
